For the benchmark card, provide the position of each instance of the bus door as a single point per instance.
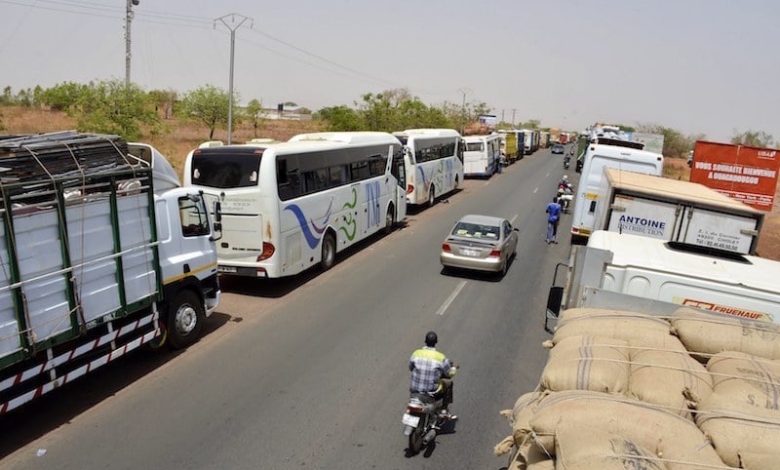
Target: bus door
(398, 170)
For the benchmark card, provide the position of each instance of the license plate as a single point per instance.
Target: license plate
(227, 269)
(410, 420)
(470, 252)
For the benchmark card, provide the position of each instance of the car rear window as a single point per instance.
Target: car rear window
(478, 231)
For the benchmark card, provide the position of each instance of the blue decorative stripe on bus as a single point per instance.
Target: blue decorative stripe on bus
(324, 219)
(311, 239)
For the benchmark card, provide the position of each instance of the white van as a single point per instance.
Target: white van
(481, 155)
(626, 156)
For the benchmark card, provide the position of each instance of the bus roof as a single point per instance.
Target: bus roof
(430, 132)
(479, 138)
(350, 138)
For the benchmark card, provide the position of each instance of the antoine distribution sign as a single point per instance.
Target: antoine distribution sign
(747, 174)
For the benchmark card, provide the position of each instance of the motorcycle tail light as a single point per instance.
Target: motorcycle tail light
(414, 409)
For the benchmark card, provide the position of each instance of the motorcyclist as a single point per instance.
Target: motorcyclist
(432, 374)
(564, 184)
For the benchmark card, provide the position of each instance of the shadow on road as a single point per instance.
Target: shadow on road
(277, 288)
(28, 423)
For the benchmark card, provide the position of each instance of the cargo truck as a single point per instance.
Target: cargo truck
(632, 272)
(101, 252)
(677, 211)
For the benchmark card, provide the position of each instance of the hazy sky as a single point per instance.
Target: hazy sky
(697, 65)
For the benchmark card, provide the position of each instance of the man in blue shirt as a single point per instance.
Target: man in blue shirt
(553, 215)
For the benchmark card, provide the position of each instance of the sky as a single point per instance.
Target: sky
(699, 66)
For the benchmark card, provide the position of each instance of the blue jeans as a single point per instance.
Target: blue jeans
(552, 230)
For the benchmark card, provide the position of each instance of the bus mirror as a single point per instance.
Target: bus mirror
(554, 300)
(217, 211)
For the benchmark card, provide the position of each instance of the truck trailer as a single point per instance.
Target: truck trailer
(96, 261)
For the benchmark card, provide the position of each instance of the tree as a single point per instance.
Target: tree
(753, 139)
(253, 114)
(115, 108)
(64, 96)
(529, 124)
(8, 96)
(207, 105)
(164, 101)
(341, 118)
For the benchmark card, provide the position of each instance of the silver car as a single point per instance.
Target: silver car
(481, 243)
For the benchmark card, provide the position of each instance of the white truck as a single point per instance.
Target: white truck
(606, 153)
(675, 210)
(101, 252)
(632, 272)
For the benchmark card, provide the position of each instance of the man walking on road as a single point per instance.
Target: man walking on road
(553, 214)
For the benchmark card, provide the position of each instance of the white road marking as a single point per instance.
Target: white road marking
(451, 298)
(512, 220)
(547, 175)
(535, 190)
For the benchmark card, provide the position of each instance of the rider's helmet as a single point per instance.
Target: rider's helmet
(565, 177)
(431, 339)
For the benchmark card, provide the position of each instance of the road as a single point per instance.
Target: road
(312, 372)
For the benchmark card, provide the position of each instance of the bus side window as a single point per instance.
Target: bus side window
(288, 178)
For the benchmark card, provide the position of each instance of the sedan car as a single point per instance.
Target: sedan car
(481, 243)
(558, 148)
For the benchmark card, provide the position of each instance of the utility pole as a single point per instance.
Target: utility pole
(502, 116)
(513, 117)
(128, 41)
(463, 112)
(232, 22)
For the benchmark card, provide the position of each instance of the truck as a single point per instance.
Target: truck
(102, 252)
(597, 155)
(674, 210)
(637, 273)
(512, 144)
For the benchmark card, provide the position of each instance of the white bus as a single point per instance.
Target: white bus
(481, 155)
(434, 163)
(289, 206)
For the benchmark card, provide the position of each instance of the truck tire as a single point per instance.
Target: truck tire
(186, 315)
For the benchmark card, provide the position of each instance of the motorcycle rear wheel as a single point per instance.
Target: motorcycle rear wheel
(416, 439)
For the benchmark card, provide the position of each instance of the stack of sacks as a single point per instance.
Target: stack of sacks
(624, 353)
(585, 430)
(742, 415)
(711, 334)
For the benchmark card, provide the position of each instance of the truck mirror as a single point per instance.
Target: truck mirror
(217, 225)
(554, 300)
(217, 211)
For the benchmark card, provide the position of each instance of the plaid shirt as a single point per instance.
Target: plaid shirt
(428, 366)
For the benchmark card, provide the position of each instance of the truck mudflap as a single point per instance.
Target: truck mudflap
(29, 380)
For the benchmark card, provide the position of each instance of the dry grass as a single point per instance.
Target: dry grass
(677, 169)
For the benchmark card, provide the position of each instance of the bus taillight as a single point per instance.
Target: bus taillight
(409, 188)
(268, 251)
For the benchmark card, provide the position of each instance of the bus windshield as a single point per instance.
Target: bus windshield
(225, 169)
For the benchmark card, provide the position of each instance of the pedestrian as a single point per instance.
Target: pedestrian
(501, 162)
(553, 215)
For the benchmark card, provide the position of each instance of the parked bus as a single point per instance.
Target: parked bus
(481, 155)
(434, 163)
(289, 206)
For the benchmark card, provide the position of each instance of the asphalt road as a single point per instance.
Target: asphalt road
(312, 372)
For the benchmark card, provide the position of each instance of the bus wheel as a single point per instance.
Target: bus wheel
(389, 220)
(432, 196)
(328, 252)
(457, 183)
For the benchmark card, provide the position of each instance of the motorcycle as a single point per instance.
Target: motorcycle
(566, 161)
(423, 420)
(565, 196)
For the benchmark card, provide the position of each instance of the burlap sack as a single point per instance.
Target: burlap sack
(742, 415)
(711, 334)
(665, 433)
(759, 461)
(587, 363)
(518, 418)
(594, 449)
(670, 379)
(635, 328)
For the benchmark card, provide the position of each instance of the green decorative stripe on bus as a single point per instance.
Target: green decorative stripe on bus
(349, 218)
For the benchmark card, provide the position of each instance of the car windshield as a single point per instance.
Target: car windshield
(479, 231)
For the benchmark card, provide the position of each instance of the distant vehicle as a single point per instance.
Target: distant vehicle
(292, 205)
(598, 156)
(558, 148)
(512, 142)
(433, 161)
(480, 243)
(481, 155)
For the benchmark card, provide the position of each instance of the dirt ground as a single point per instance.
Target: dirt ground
(769, 242)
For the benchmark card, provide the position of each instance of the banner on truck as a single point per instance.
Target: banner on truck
(747, 174)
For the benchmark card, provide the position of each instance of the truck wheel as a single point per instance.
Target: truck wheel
(186, 315)
(328, 252)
